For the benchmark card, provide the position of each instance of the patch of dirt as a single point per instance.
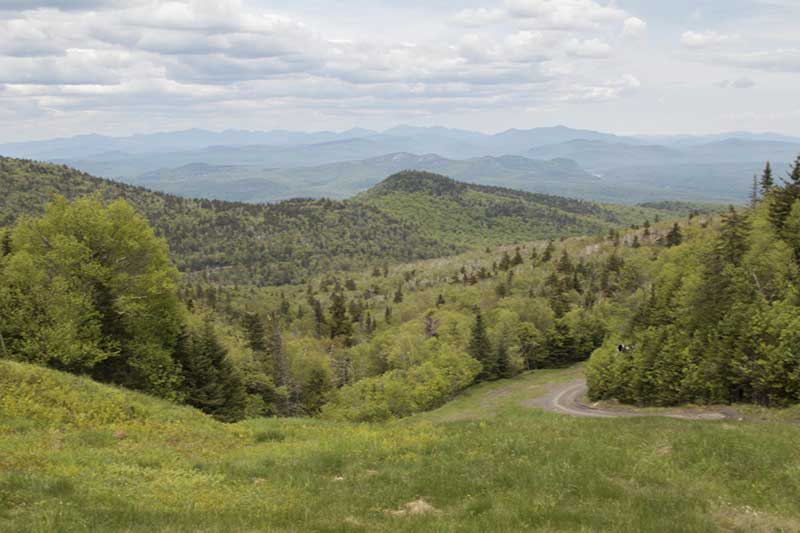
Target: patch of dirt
(746, 518)
(417, 507)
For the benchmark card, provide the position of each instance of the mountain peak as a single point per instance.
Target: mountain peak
(415, 181)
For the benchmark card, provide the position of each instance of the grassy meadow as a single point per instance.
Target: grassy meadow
(483, 462)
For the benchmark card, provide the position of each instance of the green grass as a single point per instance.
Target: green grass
(77, 456)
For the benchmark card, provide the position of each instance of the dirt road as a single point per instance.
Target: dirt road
(567, 398)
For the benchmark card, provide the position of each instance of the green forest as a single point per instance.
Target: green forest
(393, 306)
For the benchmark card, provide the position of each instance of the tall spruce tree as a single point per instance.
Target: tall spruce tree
(340, 325)
(480, 348)
(210, 381)
(767, 181)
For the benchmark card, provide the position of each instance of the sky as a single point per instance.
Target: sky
(119, 67)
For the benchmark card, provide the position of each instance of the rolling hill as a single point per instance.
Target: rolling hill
(404, 218)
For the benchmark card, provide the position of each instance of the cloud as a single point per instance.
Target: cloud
(633, 27)
(780, 60)
(564, 14)
(479, 17)
(706, 39)
(589, 48)
(608, 91)
(739, 83)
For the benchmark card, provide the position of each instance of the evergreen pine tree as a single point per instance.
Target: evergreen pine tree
(440, 301)
(340, 325)
(387, 315)
(674, 237)
(548, 251)
(254, 332)
(517, 259)
(782, 198)
(210, 381)
(481, 349)
(636, 243)
(754, 193)
(505, 262)
(767, 181)
(564, 265)
(398, 295)
(5, 245)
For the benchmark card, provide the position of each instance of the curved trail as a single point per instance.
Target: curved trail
(567, 398)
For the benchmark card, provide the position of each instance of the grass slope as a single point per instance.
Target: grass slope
(78, 456)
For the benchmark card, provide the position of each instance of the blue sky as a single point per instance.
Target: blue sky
(629, 66)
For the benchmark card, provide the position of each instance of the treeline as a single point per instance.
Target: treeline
(720, 323)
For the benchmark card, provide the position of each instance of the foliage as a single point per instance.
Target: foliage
(91, 289)
(719, 324)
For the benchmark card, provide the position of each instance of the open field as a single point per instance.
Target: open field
(77, 456)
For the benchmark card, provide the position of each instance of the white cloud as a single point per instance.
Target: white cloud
(706, 39)
(739, 83)
(564, 14)
(479, 17)
(590, 48)
(633, 27)
(610, 90)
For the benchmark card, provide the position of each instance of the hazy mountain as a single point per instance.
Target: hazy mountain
(341, 180)
(275, 165)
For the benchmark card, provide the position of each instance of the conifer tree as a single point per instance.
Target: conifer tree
(503, 364)
(387, 315)
(564, 265)
(340, 325)
(5, 245)
(754, 193)
(254, 332)
(319, 317)
(548, 251)
(398, 295)
(440, 301)
(480, 348)
(517, 259)
(767, 181)
(784, 197)
(674, 237)
(505, 262)
(210, 381)
(636, 243)
(431, 325)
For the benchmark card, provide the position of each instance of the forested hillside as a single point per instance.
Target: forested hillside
(720, 322)
(234, 242)
(288, 242)
(468, 214)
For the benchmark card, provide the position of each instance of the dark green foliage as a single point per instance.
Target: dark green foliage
(254, 332)
(674, 237)
(783, 198)
(480, 348)
(548, 251)
(341, 326)
(767, 181)
(234, 242)
(210, 381)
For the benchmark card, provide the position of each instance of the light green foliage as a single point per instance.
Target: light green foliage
(401, 392)
(90, 288)
(718, 326)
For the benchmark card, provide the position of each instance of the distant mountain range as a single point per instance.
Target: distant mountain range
(274, 165)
